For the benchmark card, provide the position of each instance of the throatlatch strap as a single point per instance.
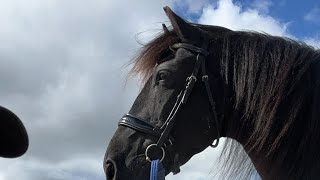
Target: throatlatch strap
(157, 172)
(205, 79)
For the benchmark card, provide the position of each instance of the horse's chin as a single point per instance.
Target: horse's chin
(140, 168)
(143, 172)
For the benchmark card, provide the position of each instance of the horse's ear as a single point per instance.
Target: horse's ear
(165, 29)
(186, 31)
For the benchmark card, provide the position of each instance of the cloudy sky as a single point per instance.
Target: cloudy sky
(62, 71)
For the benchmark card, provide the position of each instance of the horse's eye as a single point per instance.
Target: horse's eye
(162, 75)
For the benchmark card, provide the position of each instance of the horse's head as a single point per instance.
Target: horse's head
(175, 110)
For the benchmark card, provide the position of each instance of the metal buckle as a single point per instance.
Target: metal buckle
(205, 78)
(192, 78)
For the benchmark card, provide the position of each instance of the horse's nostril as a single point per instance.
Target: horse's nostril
(110, 170)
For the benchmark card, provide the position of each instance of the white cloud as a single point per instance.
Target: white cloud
(233, 16)
(62, 74)
(79, 167)
(313, 41)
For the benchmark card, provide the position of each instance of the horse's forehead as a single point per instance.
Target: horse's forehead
(182, 57)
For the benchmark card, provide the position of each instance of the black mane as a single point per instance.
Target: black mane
(277, 87)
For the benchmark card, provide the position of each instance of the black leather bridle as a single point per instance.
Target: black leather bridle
(163, 133)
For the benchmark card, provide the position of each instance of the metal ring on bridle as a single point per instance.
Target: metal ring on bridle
(146, 152)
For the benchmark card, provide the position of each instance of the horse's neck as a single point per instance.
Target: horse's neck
(275, 169)
(295, 158)
(289, 162)
(298, 156)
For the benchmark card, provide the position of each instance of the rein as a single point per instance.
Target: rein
(155, 153)
(157, 171)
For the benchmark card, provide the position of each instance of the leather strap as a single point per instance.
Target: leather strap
(202, 51)
(139, 125)
(205, 80)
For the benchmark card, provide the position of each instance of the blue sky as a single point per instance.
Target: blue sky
(302, 17)
(63, 72)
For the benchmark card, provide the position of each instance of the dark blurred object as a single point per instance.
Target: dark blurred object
(14, 140)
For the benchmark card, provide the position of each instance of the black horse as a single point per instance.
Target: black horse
(204, 82)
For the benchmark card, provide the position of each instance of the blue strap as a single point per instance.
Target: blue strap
(157, 172)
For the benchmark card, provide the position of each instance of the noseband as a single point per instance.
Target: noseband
(163, 133)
